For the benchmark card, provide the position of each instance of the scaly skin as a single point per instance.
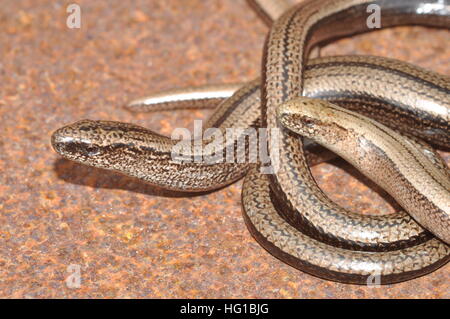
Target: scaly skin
(327, 261)
(395, 163)
(130, 149)
(141, 153)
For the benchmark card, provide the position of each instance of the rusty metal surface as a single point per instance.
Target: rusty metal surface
(130, 239)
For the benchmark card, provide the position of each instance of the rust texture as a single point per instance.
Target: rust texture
(130, 239)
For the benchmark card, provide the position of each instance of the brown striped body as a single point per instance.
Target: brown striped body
(333, 243)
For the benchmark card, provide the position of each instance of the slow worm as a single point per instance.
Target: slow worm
(381, 154)
(328, 253)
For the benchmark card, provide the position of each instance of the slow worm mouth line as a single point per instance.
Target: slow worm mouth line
(301, 226)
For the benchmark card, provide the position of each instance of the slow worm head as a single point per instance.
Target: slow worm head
(97, 143)
(393, 161)
(110, 145)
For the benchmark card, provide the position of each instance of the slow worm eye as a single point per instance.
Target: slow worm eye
(92, 150)
(308, 122)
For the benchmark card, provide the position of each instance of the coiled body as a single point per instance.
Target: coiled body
(327, 261)
(398, 164)
(287, 212)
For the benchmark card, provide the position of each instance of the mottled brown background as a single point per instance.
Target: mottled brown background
(130, 239)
